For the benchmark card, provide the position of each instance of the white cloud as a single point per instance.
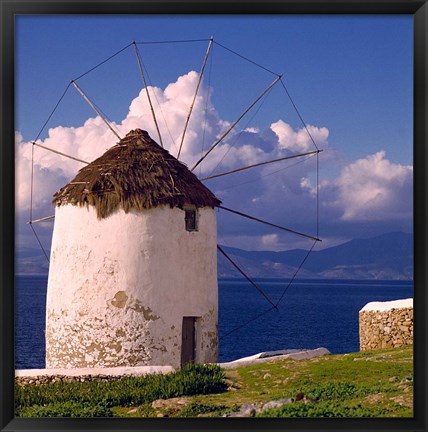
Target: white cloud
(45, 179)
(93, 138)
(299, 141)
(372, 189)
(252, 130)
(306, 184)
(270, 240)
(172, 107)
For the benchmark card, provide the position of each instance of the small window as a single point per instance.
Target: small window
(190, 220)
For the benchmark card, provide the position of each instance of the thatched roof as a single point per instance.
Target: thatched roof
(135, 174)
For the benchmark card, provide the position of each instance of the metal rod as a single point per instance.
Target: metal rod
(270, 224)
(246, 277)
(298, 113)
(60, 153)
(259, 164)
(236, 122)
(196, 93)
(32, 181)
(140, 65)
(40, 220)
(40, 243)
(94, 108)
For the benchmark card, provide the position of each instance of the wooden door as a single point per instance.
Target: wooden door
(188, 341)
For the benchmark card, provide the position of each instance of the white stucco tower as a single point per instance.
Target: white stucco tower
(133, 269)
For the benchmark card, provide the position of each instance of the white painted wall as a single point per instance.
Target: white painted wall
(119, 287)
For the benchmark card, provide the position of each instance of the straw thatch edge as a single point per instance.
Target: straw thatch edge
(135, 174)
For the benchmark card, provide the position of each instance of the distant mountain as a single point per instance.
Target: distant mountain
(385, 257)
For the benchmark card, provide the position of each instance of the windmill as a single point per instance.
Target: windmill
(132, 278)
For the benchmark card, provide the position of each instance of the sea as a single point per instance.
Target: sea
(309, 314)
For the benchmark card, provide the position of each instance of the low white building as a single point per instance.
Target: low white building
(133, 269)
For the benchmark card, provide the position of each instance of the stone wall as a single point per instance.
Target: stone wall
(47, 376)
(386, 324)
(47, 379)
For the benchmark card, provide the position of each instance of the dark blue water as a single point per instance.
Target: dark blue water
(311, 314)
(30, 307)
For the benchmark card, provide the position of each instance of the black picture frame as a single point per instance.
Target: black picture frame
(8, 11)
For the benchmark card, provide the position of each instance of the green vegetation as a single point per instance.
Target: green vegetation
(65, 409)
(94, 399)
(364, 384)
(195, 409)
(338, 399)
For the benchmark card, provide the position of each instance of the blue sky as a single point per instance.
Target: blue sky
(350, 77)
(342, 71)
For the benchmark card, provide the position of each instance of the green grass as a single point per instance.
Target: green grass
(196, 409)
(364, 384)
(338, 399)
(94, 399)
